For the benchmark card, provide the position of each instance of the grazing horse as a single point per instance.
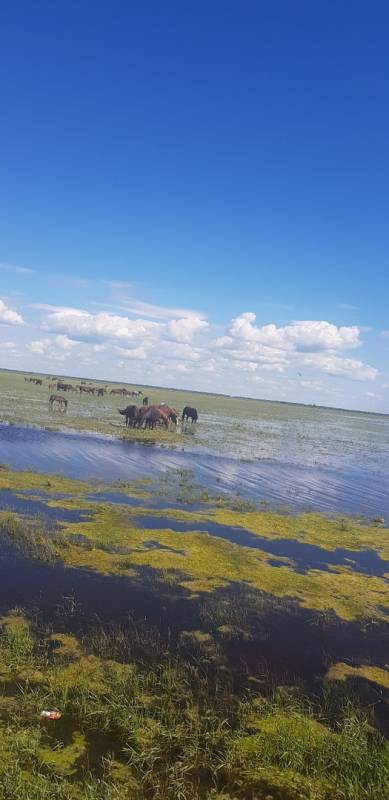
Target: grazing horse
(130, 413)
(154, 416)
(64, 387)
(61, 402)
(189, 413)
(86, 389)
(171, 413)
(145, 401)
(101, 392)
(120, 391)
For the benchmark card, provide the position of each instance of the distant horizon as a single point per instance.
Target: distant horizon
(194, 391)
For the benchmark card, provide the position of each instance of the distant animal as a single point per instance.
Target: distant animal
(59, 401)
(120, 391)
(64, 387)
(154, 417)
(86, 389)
(145, 401)
(130, 413)
(189, 413)
(37, 381)
(101, 392)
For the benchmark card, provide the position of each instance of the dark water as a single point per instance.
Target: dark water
(72, 599)
(350, 489)
(303, 556)
(9, 501)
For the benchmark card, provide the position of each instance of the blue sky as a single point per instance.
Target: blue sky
(171, 169)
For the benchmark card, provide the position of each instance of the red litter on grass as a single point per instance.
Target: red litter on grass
(51, 714)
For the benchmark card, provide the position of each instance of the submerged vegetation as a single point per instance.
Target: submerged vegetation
(142, 718)
(108, 538)
(195, 702)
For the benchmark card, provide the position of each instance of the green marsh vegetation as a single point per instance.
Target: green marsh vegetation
(170, 721)
(190, 709)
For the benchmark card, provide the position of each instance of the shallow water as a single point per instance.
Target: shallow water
(303, 556)
(349, 489)
(10, 501)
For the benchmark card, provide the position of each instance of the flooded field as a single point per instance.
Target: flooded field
(210, 618)
(350, 489)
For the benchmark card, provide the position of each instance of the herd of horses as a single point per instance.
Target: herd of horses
(136, 416)
(146, 416)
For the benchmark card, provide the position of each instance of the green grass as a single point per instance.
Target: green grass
(169, 723)
(248, 428)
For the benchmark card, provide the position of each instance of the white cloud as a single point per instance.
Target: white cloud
(8, 316)
(136, 352)
(14, 268)
(82, 325)
(337, 365)
(303, 336)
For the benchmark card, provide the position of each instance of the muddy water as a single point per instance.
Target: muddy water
(351, 489)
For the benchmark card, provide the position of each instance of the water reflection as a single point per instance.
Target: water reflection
(351, 489)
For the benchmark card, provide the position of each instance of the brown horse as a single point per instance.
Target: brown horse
(64, 387)
(171, 413)
(57, 399)
(101, 392)
(86, 389)
(155, 416)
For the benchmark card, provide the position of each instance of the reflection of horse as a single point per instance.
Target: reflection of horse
(57, 399)
(189, 413)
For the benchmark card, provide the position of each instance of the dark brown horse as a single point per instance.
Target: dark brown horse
(155, 416)
(64, 387)
(189, 413)
(59, 401)
(130, 413)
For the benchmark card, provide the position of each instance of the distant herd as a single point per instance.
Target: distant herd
(136, 416)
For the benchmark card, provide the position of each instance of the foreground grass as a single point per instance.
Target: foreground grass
(170, 723)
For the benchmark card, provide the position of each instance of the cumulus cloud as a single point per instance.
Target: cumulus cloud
(155, 350)
(346, 367)
(8, 316)
(304, 335)
(84, 326)
(317, 344)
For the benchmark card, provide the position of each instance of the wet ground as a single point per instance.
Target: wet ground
(302, 556)
(294, 644)
(349, 489)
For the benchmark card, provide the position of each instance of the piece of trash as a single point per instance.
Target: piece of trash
(51, 714)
